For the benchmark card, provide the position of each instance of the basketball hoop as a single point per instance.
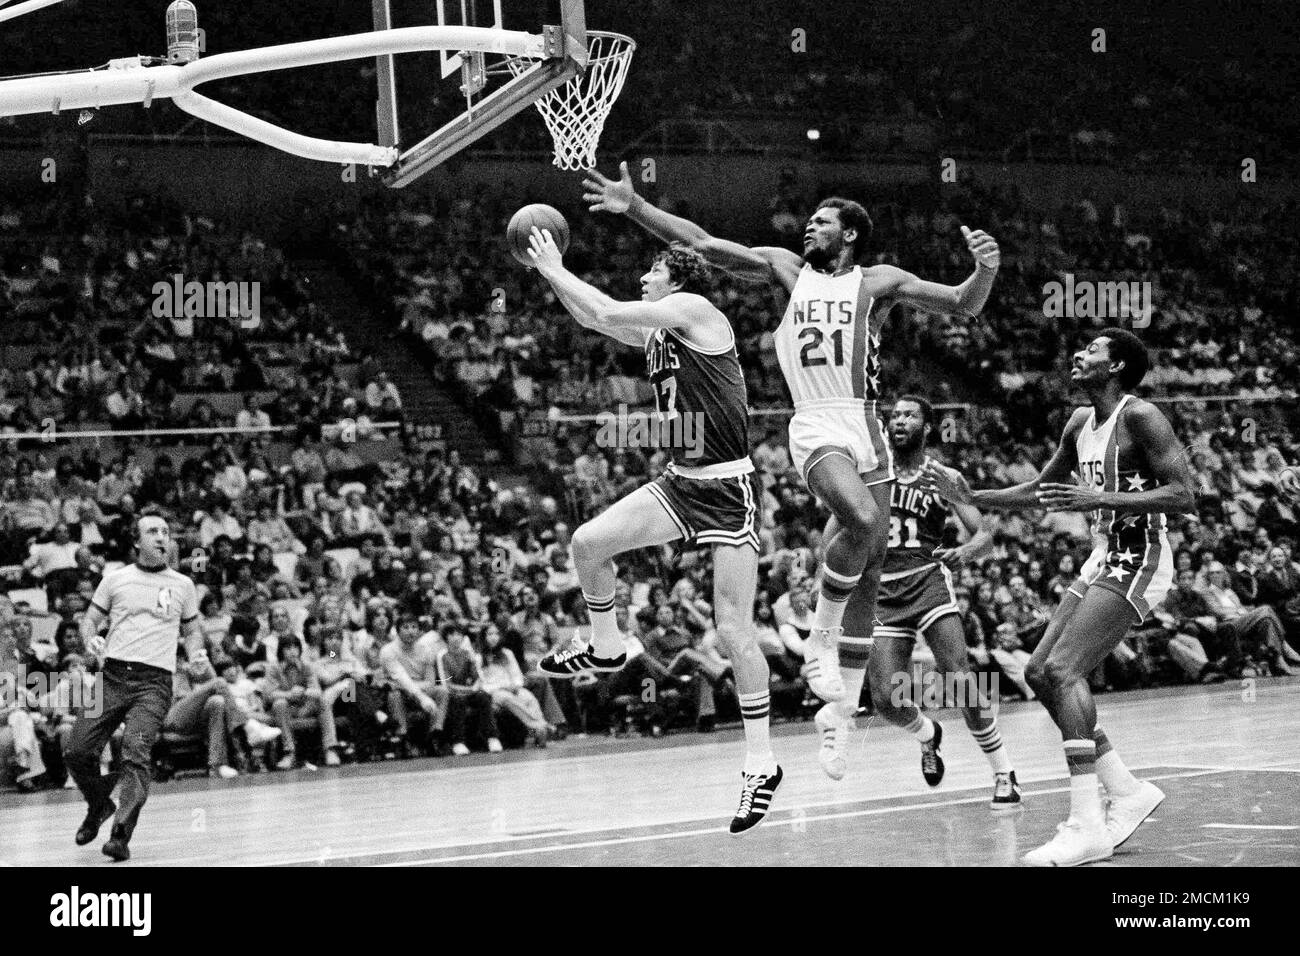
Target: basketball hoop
(575, 113)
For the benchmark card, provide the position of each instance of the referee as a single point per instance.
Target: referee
(149, 607)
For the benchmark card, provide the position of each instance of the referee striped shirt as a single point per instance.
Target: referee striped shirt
(145, 610)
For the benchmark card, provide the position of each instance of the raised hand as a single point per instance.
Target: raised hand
(983, 247)
(543, 250)
(609, 195)
(947, 483)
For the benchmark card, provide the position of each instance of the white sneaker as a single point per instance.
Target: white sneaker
(835, 730)
(1075, 843)
(332, 759)
(258, 733)
(226, 772)
(1125, 814)
(287, 762)
(494, 746)
(821, 653)
(459, 750)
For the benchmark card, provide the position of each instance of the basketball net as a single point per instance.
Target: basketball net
(575, 113)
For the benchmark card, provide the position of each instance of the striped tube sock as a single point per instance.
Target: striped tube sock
(606, 641)
(854, 652)
(1115, 777)
(754, 710)
(1085, 801)
(990, 741)
(921, 727)
(835, 592)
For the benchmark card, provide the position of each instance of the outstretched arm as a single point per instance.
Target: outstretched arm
(966, 299)
(1174, 494)
(758, 264)
(692, 316)
(952, 486)
(583, 300)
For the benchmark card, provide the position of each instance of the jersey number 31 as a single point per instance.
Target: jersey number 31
(896, 533)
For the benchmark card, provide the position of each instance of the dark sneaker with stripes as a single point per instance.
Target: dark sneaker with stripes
(931, 762)
(577, 659)
(755, 798)
(1006, 792)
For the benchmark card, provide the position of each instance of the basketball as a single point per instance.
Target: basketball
(543, 217)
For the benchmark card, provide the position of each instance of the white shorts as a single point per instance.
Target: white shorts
(847, 427)
(1142, 578)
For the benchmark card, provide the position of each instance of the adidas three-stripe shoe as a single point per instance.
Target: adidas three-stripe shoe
(576, 659)
(835, 730)
(755, 798)
(821, 654)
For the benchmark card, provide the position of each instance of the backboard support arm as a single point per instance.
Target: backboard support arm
(389, 133)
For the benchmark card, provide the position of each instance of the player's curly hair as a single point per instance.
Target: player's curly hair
(1127, 348)
(687, 268)
(853, 215)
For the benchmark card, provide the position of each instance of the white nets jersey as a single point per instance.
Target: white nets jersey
(1131, 551)
(825, 343)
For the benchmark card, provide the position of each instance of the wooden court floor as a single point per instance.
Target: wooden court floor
(1228, 759)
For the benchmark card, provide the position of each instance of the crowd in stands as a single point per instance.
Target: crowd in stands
(358, 606)
(86, 296)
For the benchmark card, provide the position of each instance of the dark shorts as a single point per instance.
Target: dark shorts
(907, 606)
(711, 510)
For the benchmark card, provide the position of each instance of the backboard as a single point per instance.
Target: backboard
(490, 91)
(548, 59)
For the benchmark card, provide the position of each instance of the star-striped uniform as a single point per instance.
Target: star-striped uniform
(1131, 552)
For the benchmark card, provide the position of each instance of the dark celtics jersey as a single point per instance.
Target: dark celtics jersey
(701, 400)
(1110, 460)
(916, 523)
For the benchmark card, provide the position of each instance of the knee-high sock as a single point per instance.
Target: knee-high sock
(606, 641)
(854, 652)
(990, 741)
(833, 597)
(754, 710)
(1085, 802)
(921, 727)
(1115, 777)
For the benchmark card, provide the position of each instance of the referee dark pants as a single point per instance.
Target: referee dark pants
(140, 696)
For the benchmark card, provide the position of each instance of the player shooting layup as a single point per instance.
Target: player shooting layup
(708, 498)
(917, 597)
(149, 608)
(1130, 472)
(828, 345)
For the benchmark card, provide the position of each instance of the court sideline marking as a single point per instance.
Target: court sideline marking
(315, 858)
(716, 829)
